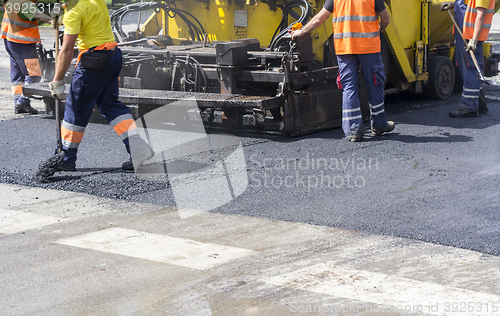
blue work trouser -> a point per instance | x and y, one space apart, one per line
469 101
373 71
24 68
90 87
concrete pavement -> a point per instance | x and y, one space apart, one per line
73 254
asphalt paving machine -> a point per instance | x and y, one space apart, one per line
237 60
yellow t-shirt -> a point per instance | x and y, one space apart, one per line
480 3
90 20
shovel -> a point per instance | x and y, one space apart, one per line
47 168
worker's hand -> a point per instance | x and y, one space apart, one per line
57 88
471 46
57 10
297 34
447 6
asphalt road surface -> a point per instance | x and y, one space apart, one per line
431 185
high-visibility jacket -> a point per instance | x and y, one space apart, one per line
355 27
470 19
16 29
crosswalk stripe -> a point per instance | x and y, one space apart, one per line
178 251
12 222
393 293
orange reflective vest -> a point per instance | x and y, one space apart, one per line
355 27
16 29
470 19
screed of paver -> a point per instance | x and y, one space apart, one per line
12 222
389 293
178 251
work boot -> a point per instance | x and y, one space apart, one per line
138 159
389 127
483 107
463 113
24 108
128 165
355 138
66 168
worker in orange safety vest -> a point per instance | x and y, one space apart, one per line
356 35
20 34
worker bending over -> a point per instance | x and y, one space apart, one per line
20 34
356 34
476 18
95 81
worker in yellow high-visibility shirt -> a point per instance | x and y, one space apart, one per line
94 82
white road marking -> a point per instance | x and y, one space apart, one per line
392 292
12 222
178 251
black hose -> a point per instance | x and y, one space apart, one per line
287 8
196 29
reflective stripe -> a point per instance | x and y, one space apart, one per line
485 26
474 10
123 123
373 107
69 144
469 96
19 23
378 112
356 35
19 37
71 139
33 67
120 119
351 118
351 110
17 89
129 133
72 127
342 19
472 90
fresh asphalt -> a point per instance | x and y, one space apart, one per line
433 179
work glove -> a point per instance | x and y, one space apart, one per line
57 10
447 6
57 88
471 46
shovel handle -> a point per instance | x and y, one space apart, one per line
474 60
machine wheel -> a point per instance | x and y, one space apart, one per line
441 78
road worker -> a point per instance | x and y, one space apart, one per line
476 18
356 34
95 81
20 34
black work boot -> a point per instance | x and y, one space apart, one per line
483 107
24 108
463 113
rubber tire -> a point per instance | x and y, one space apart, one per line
441 78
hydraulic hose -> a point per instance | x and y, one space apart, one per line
306 13
194 25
